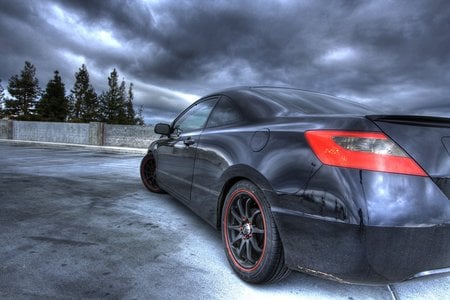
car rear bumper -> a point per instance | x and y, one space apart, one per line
362 254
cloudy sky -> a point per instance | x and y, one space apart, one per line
386 53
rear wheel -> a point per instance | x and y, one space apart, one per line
148 174
251 239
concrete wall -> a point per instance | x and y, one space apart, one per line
51 132
94 133
128 136
6 129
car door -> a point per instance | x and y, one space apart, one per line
177 155
214 154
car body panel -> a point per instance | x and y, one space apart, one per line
361 254
176 162
422 138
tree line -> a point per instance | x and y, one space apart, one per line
28 102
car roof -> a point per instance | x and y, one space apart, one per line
269 101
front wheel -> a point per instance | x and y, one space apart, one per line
148 174
251 239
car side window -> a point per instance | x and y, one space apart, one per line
195 118
224 114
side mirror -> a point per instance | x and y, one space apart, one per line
163 129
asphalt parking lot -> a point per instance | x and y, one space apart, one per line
77 223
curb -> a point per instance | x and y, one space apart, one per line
109 149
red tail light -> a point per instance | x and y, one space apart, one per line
372 151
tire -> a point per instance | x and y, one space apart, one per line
148 176
250 236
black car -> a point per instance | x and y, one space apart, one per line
299 180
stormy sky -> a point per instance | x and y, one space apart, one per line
385 53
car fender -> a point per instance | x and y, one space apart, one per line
153 146
236 173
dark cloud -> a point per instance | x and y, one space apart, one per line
384 52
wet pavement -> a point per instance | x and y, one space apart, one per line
77 223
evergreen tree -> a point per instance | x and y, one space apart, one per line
139 119
122 104
71 107
113 106
2 98
84 101
54 104
130 114
25 92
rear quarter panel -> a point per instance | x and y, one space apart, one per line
285 166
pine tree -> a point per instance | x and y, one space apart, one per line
130 114
84 101
139 119
2 98
54 104
113 106
25 92
2 91
122 104
71 107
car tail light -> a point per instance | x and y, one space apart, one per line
372 151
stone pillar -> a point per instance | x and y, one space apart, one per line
96 133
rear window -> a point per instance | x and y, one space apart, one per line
294 102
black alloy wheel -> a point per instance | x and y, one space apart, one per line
251 239
246 229
148 174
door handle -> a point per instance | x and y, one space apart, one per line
189 142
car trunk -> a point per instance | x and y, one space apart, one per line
426 140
